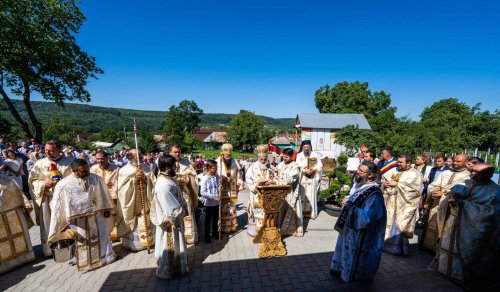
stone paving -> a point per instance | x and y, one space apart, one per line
231 265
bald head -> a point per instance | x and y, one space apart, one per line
459 161
482 172
132 156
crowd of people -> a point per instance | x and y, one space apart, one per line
95 198
456 204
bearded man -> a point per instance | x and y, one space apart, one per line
109 174
401 187
43 178
260 173
311 171
136 202
439 187
187 180
468 222
228 169
81 206
288 174
361 226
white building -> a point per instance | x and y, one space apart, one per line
320 129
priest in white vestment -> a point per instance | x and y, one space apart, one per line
402 186
170 249
109 174
311 171
80 208
186 177
439 187
135 204
15 242
260 173
291 213
228 169
42 181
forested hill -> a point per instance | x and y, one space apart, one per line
95 118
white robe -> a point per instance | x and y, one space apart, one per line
80 205
171 249
309 186
132 220
253 179
42 195
291 213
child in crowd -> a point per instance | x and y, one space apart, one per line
211 195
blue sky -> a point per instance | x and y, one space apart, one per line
270 56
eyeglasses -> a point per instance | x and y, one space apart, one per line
362 171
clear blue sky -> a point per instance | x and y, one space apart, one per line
270 56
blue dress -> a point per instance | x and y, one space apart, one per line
360 243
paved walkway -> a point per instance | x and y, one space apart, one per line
231 264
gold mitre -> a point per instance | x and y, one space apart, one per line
262 150
226 149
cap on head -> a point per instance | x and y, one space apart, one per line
226 149
262 150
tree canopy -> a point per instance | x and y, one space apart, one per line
40 54
182 120
245 130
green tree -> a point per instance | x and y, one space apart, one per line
146 141
352 137
181 120
355 97
39 54
60 130
245 130
450 126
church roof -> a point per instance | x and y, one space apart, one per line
331 121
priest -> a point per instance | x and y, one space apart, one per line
135 203
43 177
15 242
171 249
291 212
402 186
228 169
311 171
187 179
80 208
109 173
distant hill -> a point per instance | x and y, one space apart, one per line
95 118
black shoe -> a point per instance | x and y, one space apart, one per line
208 240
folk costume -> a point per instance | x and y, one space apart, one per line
134 210
291 213
15 242
187 180
309 184
42 194
79 204
444 182
230 182
361 226
109 175
171 248
401 202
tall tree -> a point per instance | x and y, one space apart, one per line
245 129
181 120
355 97
39 54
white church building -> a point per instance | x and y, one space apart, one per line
321 129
